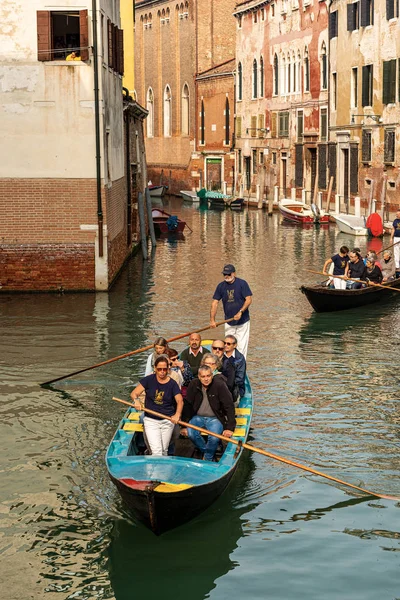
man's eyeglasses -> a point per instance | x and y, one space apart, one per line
161 368
228 343
217 347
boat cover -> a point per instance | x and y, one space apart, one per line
375 225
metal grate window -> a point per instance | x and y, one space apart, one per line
366 146
299 166
389 151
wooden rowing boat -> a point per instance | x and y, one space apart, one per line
324 299
166 223
165 492
158 191
299 212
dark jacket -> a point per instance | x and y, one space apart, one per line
239 364
220 400
228 370
374 275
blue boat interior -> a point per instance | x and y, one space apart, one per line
124 460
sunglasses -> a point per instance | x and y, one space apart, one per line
217 347
228 343
161 368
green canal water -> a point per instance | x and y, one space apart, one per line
326 391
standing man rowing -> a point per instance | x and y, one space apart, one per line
236 298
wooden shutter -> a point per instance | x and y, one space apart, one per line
238 127
366 146
322 154
253 126
353 168
43 19
389 146
273 124
332 163
260 125
115 47
84 34
110 46
389 9
300 126
350 18
389 82
299 166
366 85
365 17
333 25
121 51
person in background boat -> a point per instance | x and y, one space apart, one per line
73 56
395 240
238 362
388 267
215 363
194 353
355 269
236 298
208 404
180 370
163 396
373 272
339 261
160 347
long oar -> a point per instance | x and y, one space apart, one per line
385 287
149 347
384 249
264 453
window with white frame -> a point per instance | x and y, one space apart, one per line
306 71
167 112
185 110
324 68
150 116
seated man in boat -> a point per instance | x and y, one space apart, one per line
208 404
215 363
194 353
374 274
238 361
388 267
355 269
163 396
339 261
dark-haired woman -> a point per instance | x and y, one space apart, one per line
163 396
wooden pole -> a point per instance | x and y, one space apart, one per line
371 196
385 287
263 452
328 198
149 347
315 189
150 217
142 223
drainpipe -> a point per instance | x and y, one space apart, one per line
97 126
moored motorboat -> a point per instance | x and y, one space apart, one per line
157 191
299 212
325 299
236 203
189 196
168 491
359 226
166 223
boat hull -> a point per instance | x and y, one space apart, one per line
351 225
324 299
189 196
157 191
298 213
160 218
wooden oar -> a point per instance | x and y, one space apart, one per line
385 287
264 453
149 347
384 249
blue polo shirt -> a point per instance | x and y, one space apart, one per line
340 263
396 227
160 397
233 296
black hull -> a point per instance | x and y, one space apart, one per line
161 512
323 299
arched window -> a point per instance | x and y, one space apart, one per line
276 75
324 68
150 116
261 77
298 89
255 73
185 110
202 124
288 75
306 71
167 112
283 76
227 115
240 82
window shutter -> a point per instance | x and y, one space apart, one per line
353 168
322 166
389 9
44 35
398 75
332 163
366 146
238 127
84 34
389 151
110 46
253 126
365 8
121 51
115 48
273 124
367 79
333 25
350 17
260 125
299 166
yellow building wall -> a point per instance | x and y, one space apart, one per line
127 8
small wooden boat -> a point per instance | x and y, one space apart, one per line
360 226
189 196
166 223
157 191
299 212
236 204
324 299
168 491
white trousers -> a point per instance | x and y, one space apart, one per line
340 284
158 435
396 253
241 333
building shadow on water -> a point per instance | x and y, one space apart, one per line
187 561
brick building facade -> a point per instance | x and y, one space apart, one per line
183 75
64 216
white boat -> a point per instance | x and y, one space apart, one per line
157 191
189 196
299 212
351 224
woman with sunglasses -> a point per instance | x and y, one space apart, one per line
163 396
160 347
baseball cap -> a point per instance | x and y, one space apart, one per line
228 269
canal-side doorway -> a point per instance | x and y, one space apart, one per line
214 173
